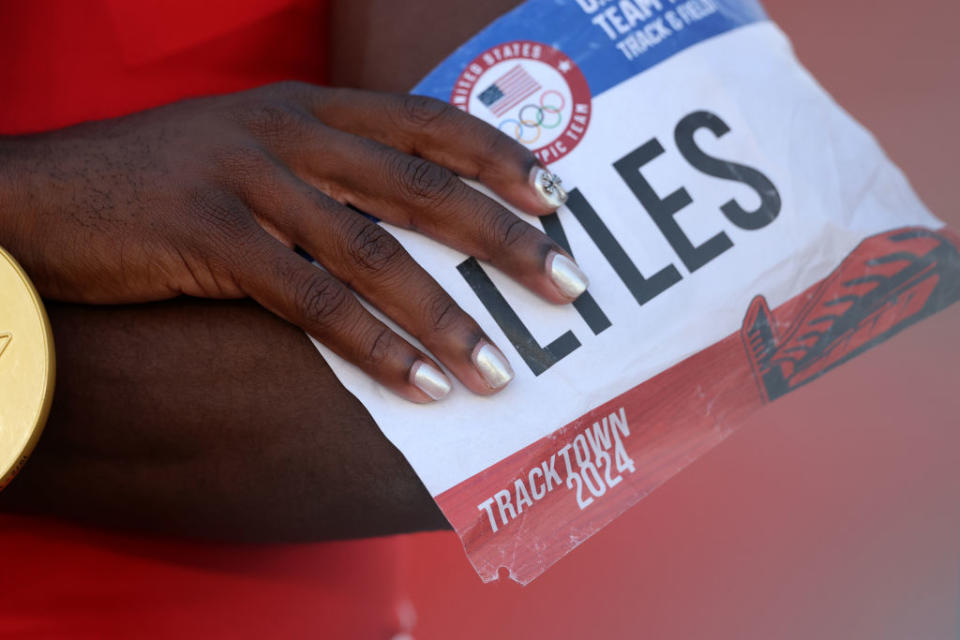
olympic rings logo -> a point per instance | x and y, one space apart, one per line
536 118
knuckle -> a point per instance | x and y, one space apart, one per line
377 346
508 231
423 180
372 248
320 299
442 312
241 164
498 146
220 215
422 111
274 120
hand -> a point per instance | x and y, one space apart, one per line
208 197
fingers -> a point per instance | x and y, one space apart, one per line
397 158
446 136
361 254
299 292
415 193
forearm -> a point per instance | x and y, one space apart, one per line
215 420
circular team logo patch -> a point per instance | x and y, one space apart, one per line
531 92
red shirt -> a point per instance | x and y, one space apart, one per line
63 62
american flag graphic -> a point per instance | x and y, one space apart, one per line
508 90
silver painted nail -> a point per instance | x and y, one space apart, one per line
430 380
492 365
566 275
548 187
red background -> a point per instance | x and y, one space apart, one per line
834 513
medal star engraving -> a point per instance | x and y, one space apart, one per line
5 339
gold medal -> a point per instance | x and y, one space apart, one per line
26 367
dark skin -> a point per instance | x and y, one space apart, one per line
219 419
207 197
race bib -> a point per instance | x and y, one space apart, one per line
742 233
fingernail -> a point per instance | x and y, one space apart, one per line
566 275
548 187
430 380
492 365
